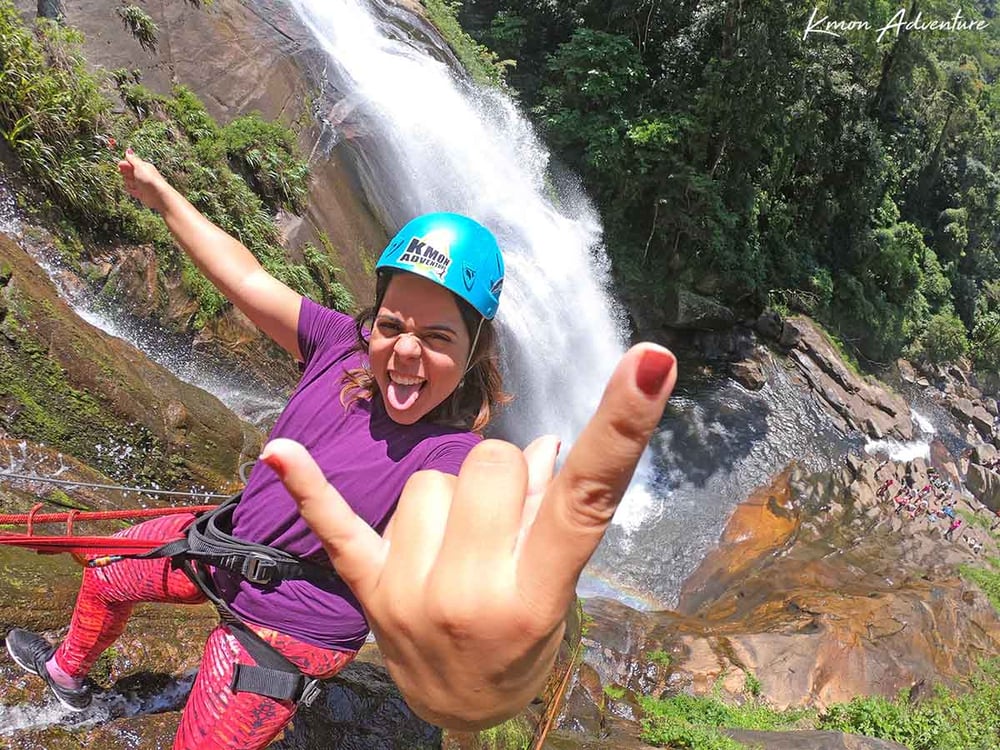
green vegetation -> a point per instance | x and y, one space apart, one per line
139 23
61 124
972 518
751 685
686 721
614 692
987 578
659 656
855 179
965 719
513 734
945 721
103 668
483 65
46 408
60 498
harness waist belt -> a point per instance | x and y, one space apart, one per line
210 541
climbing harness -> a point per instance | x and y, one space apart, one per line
208 541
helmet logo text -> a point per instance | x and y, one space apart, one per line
422 255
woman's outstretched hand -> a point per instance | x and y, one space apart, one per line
468 590
143 181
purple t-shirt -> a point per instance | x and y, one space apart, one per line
363 453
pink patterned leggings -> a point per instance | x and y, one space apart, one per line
215 718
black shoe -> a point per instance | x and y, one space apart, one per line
30 651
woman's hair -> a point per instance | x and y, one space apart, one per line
471 405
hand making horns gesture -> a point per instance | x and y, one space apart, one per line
468 590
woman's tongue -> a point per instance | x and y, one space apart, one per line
402 396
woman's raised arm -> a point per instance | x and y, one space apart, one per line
270 304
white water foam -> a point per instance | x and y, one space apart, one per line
898 450
431 142
105 707
923 423
10 215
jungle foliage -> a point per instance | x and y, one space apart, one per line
730 152
66 129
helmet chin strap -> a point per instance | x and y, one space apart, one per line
472 350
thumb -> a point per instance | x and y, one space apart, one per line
355 549
600 465
582 498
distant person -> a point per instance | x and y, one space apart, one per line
952 528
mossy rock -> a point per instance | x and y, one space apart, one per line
70 386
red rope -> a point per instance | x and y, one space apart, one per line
31 517
86 545
83 545
98 515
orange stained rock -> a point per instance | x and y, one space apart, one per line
761 525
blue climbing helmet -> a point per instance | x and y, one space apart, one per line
451 250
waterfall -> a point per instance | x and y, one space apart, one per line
433 142
10 218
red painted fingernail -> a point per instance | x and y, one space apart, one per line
653 370
274 462
129 150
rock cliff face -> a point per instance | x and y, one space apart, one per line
817 591
240 57
96 398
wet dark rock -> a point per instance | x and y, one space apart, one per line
790 335
854 464
685 309
958 375
360 709
749 373
769 325
724 345
854 401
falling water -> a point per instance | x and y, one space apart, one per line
425 139
241 394
433 142
10 218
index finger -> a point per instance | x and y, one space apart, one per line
581 500
354 548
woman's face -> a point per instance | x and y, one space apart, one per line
418 348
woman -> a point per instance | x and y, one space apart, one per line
399 393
